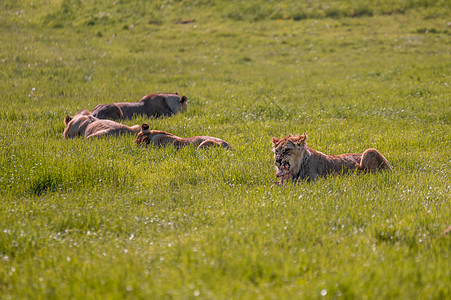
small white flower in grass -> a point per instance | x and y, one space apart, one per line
196 293
323 292
31 94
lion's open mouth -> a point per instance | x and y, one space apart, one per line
284 171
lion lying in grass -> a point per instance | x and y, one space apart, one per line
86 125
163 138
153 105
294 159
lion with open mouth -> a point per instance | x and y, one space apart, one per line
295 160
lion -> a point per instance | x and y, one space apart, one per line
152 105
86 125
295 160
162 138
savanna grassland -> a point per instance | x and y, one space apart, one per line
104 219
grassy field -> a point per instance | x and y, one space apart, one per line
104 219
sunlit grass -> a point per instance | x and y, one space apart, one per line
103 218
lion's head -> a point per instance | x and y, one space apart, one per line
183 103
288 155
174 102
143 137
76 126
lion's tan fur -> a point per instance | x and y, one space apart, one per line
163 138
294 159
152 105
86 125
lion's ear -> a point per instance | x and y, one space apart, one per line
297 140
275 140
301 139
145 126
67 119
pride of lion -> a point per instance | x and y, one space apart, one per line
294 160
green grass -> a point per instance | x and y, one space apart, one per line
104 219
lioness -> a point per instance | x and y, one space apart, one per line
163 138
86 125
153 105
294 159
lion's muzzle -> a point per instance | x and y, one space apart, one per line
283 170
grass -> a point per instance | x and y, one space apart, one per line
105 219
